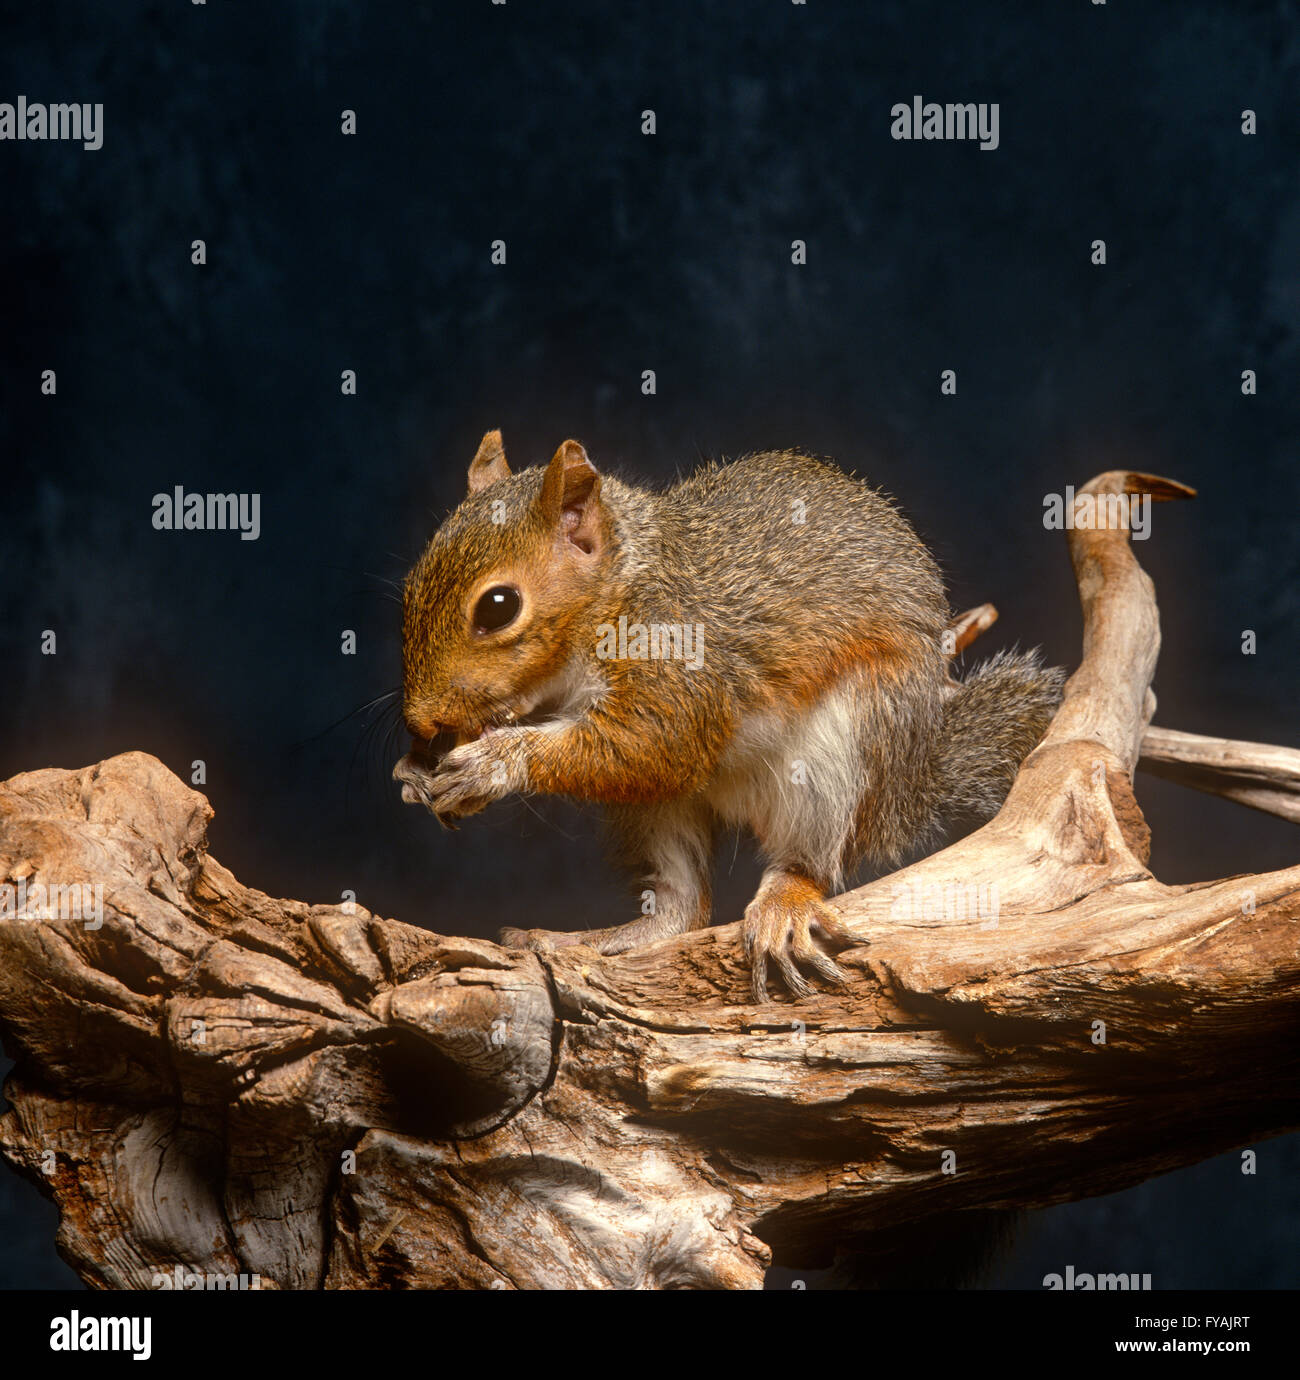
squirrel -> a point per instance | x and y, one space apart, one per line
759 645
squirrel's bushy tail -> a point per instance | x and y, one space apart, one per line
990 725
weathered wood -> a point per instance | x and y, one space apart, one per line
221 1080
966 627
1260 775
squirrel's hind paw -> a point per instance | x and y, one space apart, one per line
783 925
617 939
540 941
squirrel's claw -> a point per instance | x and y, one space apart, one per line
786 925
414 777
465 781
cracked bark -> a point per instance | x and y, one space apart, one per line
321 1096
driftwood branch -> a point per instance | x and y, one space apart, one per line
218 1080
1256 774
1260 775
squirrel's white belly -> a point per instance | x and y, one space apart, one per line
796 780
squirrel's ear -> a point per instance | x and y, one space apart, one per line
570 496
489 464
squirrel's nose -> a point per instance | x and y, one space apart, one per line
421 727
428 748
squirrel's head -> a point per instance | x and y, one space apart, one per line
491 609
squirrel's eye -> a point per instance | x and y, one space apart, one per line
498 607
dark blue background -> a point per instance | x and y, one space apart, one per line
625 252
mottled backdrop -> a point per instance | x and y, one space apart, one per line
627 252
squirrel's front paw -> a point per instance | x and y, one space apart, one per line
783 925
470 778
465 781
